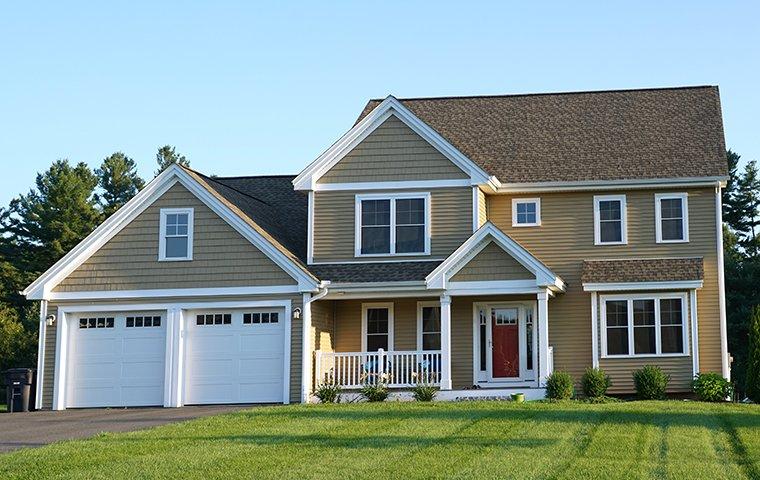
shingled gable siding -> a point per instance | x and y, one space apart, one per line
221 256
334 226
492 263
295 340
566 238
392 152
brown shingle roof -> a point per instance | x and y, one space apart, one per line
642 270
605 135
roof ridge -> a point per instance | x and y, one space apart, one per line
216 180
537 94
258 176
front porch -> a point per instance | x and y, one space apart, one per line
468 346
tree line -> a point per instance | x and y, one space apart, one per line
66 203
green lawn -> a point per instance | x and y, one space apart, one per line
411 440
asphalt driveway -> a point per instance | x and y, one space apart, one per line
34 429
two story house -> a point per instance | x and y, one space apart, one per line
476 243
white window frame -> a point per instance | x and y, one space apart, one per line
684 197
516 201
603 299
420 306
392 198
162 234
623 219
367 306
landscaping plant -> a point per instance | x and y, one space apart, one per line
559 386
752 384
328 392
595 383
651 382
712 387
375 392
424 392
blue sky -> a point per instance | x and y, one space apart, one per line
244 88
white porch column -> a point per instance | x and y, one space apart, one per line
445 342
594 330
543 337
306 349
174 379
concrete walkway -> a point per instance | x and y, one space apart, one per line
34 429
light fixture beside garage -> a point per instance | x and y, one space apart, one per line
296 313
50 320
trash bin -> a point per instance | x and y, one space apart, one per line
18 385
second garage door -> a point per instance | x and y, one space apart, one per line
235 356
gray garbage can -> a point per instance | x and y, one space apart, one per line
18 389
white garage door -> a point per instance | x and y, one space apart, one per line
234 356
116 359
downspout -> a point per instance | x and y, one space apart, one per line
306 353
725 365
41 354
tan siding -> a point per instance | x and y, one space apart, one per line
322 330
621 372
492 263
295 342
348 323
566 238
334 227
482 210
393 152
221 256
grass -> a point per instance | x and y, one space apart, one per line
412 440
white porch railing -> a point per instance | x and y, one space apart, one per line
400 369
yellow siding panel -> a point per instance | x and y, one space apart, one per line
492 263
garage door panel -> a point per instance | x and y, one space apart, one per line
144 345
90 344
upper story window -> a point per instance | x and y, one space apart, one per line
644 325
671 217
392 224
176 237
526 212
610 220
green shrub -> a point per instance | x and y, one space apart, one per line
595 383
424 392
650 382
328 392
712 387
375 392
752 381
559 386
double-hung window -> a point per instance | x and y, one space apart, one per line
377 326
176 236
644 325
392 224
526 212
671 217
428 326
610 220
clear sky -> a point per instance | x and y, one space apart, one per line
244 88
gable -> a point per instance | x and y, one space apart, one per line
393 152
222 257
492 264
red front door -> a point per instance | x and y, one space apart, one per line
506 345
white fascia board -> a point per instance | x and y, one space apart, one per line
499 287
174 292
307 179
399 185
685 182
628 286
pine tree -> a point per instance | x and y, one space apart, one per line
747 208
118 179
166 156
752 383
732 215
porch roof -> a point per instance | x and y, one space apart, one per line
374 272
642 270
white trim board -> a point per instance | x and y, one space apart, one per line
591 185
307 179
628 286
42 287
395 185
174 292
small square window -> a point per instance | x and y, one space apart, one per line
176 239
138 321
526 212
156 321
101 322
227 318
246 318
218 319
82 323
91 322
273 317
130 322
265 317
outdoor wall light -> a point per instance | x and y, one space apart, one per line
50 320
296 313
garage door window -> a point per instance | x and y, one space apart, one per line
260 317
96 322
214 319
149 321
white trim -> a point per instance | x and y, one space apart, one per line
445 302
496 287
439 278
725 364
476 208
307 179
476 372
420 306
658 197
174 292
694 331
536 187
41 354
306 364
392 198
542 322
310 231
594 330
382 260
535 200
656 297
365 307
627 286
623 219
44 284
162 234
396 185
